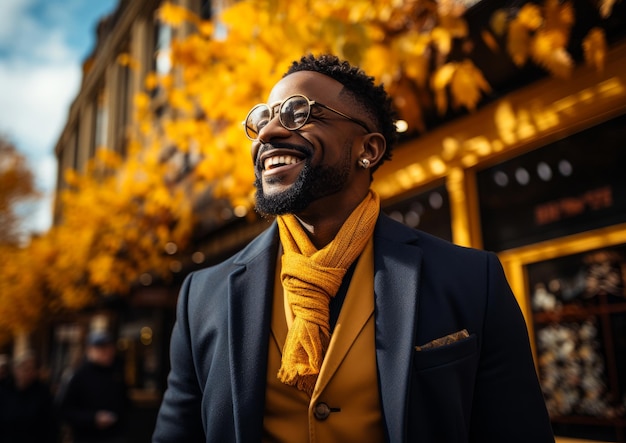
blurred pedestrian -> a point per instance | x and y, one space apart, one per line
5 370
26 411
95 404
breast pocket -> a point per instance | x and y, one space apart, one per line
450 354
442 389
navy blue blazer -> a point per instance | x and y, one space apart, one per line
481 389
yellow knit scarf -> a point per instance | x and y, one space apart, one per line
310 278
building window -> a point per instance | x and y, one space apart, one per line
579 318
428 211
124 105
101 120
163 47
206 9
570 186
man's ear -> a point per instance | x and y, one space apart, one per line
374 147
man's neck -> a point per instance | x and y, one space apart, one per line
323 219
322 232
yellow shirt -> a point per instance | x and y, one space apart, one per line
345 405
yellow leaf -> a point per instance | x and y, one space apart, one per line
548 54
530 16
206 28
606 7
455 26
467 85
499 21
379 62
439 82
490 40
71 177
558 15
100 269
594 46
442 39
125 59
152 81
518 42
108 158
173 15
141 102
443 76
417 69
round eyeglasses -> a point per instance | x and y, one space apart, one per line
293 113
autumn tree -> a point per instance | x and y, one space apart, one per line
422 50
16 188
17 309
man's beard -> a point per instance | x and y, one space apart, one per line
313 183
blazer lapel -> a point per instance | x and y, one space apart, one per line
250 305
397 266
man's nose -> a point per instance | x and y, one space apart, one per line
273 129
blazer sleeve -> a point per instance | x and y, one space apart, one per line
179 417
508 403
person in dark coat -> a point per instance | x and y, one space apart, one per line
95 403
26 411
338 323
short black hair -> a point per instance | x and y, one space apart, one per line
373 98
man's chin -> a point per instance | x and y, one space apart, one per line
312 184
289 201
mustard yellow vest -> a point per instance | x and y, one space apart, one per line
345 405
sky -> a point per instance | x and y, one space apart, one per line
42 46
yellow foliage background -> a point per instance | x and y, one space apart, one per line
121 215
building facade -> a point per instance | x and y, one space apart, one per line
131 42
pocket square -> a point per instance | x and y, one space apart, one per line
442 341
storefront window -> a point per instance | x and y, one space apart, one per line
428 211
579 318
570 186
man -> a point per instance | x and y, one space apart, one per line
5 370
338 324
94 403
26 410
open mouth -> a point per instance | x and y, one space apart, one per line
276 161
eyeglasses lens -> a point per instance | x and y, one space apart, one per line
294 112
257 118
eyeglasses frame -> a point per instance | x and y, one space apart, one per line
310 102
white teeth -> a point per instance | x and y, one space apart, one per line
280 160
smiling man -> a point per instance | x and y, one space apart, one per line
338 324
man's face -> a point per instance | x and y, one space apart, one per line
25 373
103 355
296 168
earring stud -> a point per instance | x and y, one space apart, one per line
365 163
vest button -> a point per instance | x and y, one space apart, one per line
321 411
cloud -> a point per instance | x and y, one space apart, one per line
38 77
42 45
36 213
13 16
36 98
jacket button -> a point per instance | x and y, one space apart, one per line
321 411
